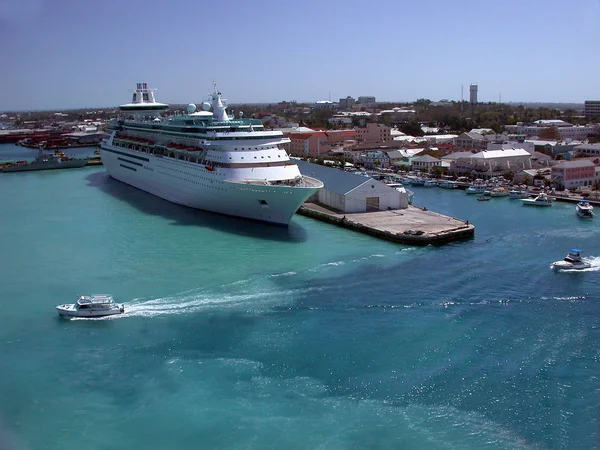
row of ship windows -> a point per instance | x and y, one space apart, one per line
192 181
191 174
262 157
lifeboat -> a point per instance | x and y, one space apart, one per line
211 168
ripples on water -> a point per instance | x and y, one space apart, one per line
317 338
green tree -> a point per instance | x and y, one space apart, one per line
550 133
412 128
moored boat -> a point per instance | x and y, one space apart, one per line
204 159
45 161
447 184
518 194
541 200
499 192
475 189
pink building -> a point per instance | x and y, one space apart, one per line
374 133
317 143
572 174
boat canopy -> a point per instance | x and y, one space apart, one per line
575 250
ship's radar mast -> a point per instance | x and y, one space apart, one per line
218 105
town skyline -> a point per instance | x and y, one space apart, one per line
68 55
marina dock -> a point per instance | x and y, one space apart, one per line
412 226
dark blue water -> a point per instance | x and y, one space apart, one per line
241 335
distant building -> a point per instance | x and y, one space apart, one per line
318 143
591 108
565 129
399 114
473 94
584 150
347 103
374 132
324 104
366 100
471 140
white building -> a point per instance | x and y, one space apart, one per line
425 162
529 146
493 162
565 129
325 104
350 193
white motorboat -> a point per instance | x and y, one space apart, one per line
541 200
584 209
400 188
572 261
499 192
476 189
91 306
518 194
447 184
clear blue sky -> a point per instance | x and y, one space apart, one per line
70 54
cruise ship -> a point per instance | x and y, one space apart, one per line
205 159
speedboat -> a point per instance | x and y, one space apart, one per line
572 261
541 200
91 306
584 209
430 183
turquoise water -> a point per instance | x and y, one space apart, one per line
242 335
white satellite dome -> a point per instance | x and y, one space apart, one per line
191 108
205 106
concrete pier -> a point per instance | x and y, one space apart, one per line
412 226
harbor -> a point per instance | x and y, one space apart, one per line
412 226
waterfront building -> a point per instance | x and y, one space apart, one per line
350 193
376 159
574 174
591 109
425 163
488 163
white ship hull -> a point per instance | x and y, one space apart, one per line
193 185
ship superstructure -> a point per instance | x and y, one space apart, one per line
206 159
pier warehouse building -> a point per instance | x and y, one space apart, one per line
350 193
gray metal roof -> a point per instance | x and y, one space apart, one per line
576 163
335 180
